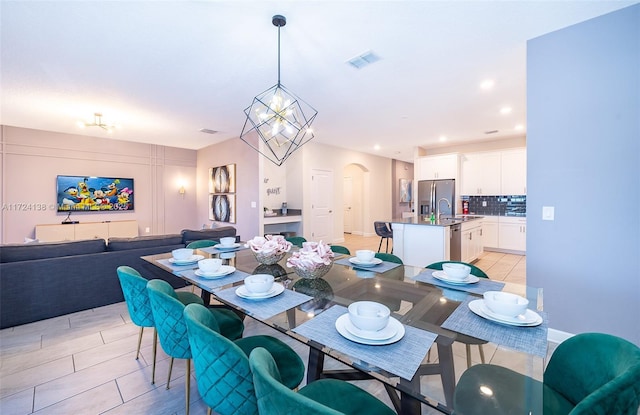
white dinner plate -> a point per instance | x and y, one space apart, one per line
373 263
277 289
383 334
226 247
529 319
188 261
343 320
223 271
442 276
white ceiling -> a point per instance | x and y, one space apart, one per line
164 69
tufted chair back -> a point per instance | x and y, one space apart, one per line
167 312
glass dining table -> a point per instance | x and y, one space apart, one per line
431 315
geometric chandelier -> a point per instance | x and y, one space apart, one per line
278 122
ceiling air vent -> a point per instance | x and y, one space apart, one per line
491 132
364 59
207 131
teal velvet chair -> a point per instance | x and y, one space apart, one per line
388 257
322 397
203 243
172 330
296 240
134 289
340 249
588 374
222 366
466 340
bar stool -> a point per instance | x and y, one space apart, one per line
384 232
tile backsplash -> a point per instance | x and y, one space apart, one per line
511 205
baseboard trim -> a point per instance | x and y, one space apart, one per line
558 336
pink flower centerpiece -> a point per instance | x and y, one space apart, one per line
270 249
312 261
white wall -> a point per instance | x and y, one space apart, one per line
583 153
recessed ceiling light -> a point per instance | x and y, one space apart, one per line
443 138
519 127
376 147
487 84
505 110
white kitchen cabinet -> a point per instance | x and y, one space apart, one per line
480 174
490 226
513 234
472 245
438 167
514 172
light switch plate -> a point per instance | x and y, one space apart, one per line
254 204
548 212
484 203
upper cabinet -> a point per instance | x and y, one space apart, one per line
437 167
514 172
480 174
494 173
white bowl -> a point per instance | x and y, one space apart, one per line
365 255
505 304
182 253
456 271
209 265
258 283
369 315
227 240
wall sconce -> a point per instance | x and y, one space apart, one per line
182 190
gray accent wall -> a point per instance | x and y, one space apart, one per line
583 155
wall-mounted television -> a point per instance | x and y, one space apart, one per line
94 194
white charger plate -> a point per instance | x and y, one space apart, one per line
373 263
224 270
276 289
188 261
529 319
225 247
442 276
343 320
383 334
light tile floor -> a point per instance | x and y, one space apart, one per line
84 363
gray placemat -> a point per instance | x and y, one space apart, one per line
380 268
532 340
209 284
402 358
264 308
480 287
214 250
176 268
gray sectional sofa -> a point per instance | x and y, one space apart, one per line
44 280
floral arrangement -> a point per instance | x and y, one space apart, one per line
270 249
313 260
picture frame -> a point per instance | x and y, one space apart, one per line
405 190
222 179
222 207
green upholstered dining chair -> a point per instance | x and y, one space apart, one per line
321 397
203 243
340 249
388 257
134 289
588 374
172 330
225 382
296 240
466 340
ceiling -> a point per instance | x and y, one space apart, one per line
162 70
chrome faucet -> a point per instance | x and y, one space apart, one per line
438 205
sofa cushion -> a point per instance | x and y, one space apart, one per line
149 241
26 252
213 234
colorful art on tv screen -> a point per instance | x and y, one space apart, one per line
97 194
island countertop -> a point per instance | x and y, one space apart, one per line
425 220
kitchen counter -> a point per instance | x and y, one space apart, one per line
445 221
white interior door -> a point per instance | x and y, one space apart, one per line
348 203
322 205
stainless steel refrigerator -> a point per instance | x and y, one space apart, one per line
431 193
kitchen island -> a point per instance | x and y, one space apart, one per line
418 241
